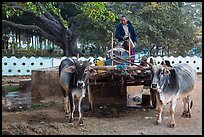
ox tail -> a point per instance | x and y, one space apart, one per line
191 104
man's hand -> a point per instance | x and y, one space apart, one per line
135 43
125 38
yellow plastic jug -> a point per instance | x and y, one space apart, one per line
100 63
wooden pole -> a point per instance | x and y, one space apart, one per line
112 49
129 47
115 67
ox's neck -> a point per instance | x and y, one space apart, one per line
171 82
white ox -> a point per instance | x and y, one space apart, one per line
172 83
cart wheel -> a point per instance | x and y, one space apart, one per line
153 97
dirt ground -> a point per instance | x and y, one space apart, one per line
104 121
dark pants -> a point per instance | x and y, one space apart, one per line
132 55
125 45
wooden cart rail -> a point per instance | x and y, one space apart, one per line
115 67
130 72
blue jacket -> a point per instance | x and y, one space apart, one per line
120 32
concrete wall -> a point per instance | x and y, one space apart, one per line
195 62
23 66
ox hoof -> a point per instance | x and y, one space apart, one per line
81 125
71 121
67 113
67 117
157 123
186 114
183 114
71 124
172 125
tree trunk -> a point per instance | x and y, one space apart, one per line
157 50
70 47
13 41
19 36
32 42
68 50
52 45
168 51
27 39
16 34
45 44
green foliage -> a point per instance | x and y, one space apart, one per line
96 26
37 106
164 24
194 10
12 88
98 12
158 24
9 10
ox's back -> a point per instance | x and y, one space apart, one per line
186 77
64 63
66 79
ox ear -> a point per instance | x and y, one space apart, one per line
70 69
151 61
88 60
92 70
166 71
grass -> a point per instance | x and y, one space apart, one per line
41 105
11 88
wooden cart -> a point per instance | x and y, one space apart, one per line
108 84
109 87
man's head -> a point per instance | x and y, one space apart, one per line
124 20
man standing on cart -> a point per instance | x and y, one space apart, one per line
123 30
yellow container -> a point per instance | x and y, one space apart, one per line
101 63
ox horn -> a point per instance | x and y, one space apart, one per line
151 62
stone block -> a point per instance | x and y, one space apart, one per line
45 83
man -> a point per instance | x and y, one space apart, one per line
122 34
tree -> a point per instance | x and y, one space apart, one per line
162 24
49 23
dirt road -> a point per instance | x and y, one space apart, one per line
115 121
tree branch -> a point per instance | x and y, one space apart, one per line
49 23
50 16
31 28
